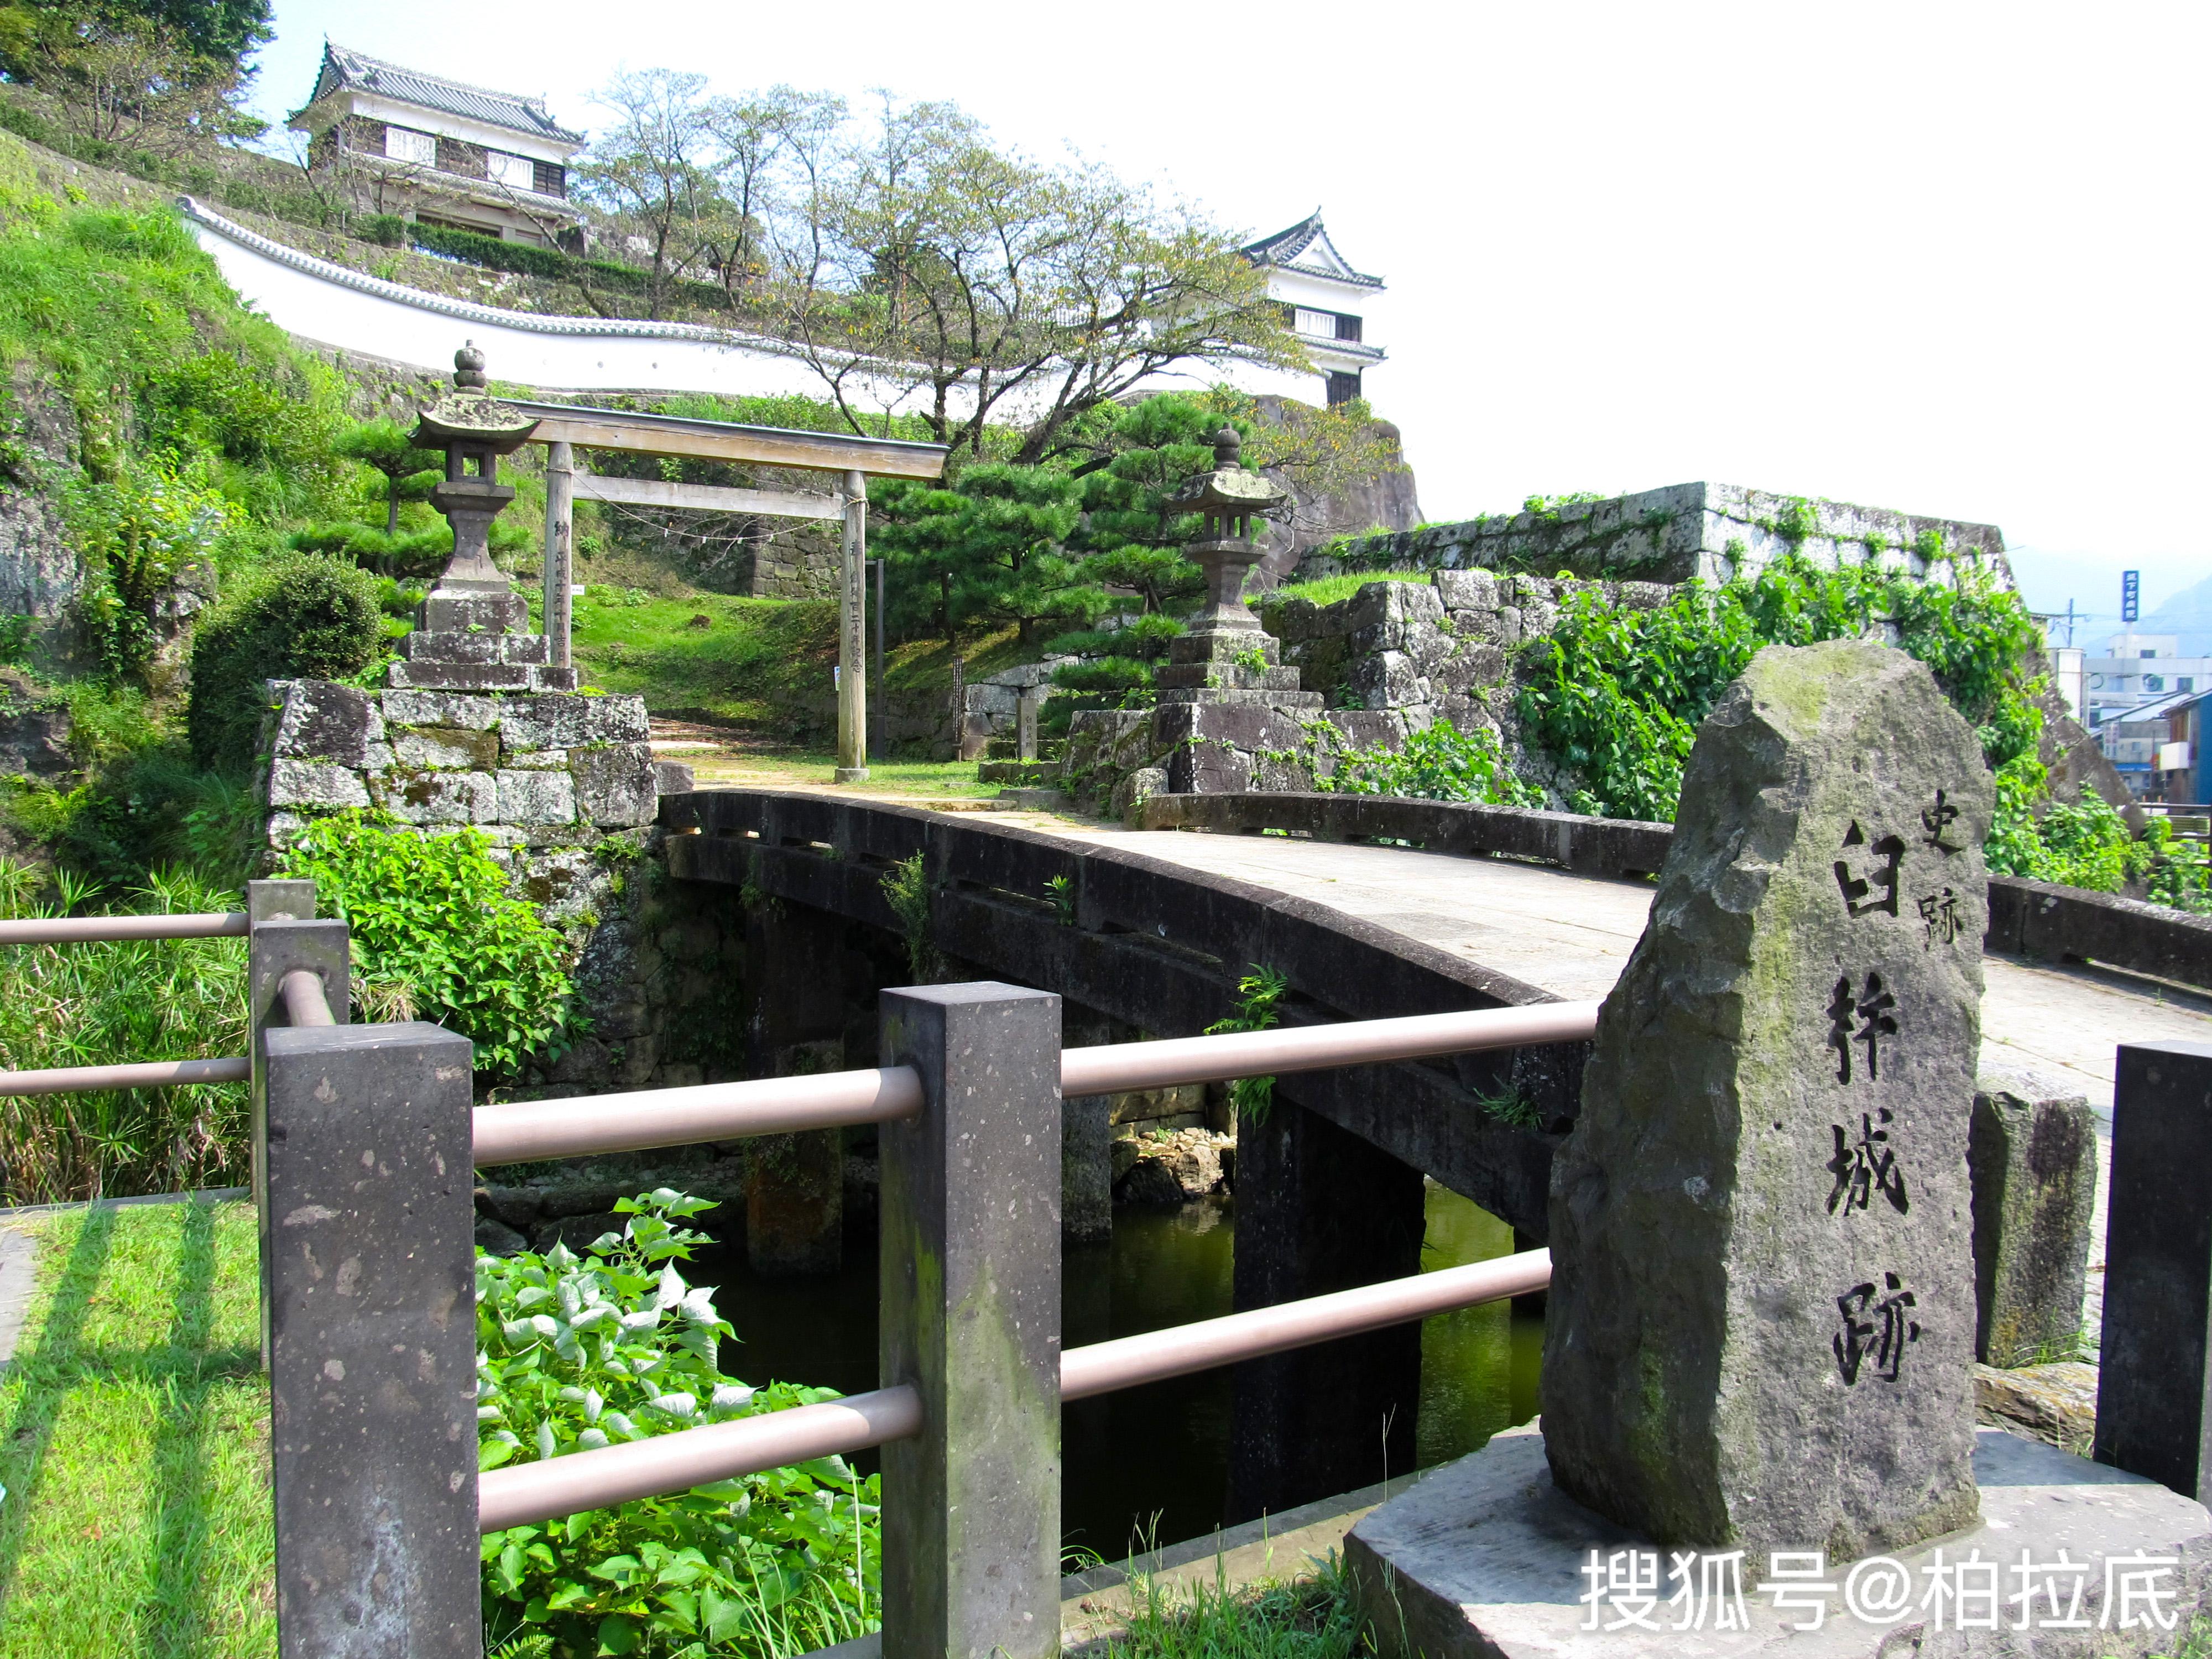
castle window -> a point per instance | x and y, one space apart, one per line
1342 389
1347 328
1320 324
405 144
515 172
550 178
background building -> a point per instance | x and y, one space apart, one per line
439 152
2135 670
1329 306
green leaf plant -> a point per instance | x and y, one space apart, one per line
580 1352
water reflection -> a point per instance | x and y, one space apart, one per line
1151 1462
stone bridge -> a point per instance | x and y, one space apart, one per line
1151 931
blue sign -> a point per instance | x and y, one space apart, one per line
2131 595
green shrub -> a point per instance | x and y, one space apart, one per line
431 917
385 229
1616 693
301 617
613 1345
1440 764
138 1000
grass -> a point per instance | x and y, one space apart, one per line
1327 590
75 1005
137 1520
1307 1617
924 780
753 662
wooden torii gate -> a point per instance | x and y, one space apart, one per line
563 429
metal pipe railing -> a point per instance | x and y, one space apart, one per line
522 1130
1154 1356
147 1074
1113 1067
305 1003
525 1493
93 930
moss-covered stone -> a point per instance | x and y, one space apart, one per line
1762 1311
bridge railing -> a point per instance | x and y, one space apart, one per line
369 1140
270 898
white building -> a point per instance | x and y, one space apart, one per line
2138 669
1331 307
441 152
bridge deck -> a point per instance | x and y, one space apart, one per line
1573 935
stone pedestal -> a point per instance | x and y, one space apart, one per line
1487 1560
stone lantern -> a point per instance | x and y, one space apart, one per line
469 635
1224 655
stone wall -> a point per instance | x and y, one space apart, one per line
1706 532
564 788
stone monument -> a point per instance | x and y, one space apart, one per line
1761 1325
1757 1386
470 634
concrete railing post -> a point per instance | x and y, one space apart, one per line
970 1274
368 1229
2154 1367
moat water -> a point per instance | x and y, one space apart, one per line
1154 1461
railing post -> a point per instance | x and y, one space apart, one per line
970 1275
282 938
2154 1365
368 1230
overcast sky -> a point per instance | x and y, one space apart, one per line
1948 258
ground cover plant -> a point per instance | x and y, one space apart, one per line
134 1442
1441 763
611 1346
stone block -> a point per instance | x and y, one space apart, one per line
1467 589
458 677
614 785
1134 788
2055 1403
2033 1159
538 760
438 797
1761 1319
446 709
426 645
451 748
1484 1558
495 613
536 797
568 720
320 721
672 778
314 783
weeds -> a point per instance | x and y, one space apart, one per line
136 1000
1259 991
1312 1618
906 890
